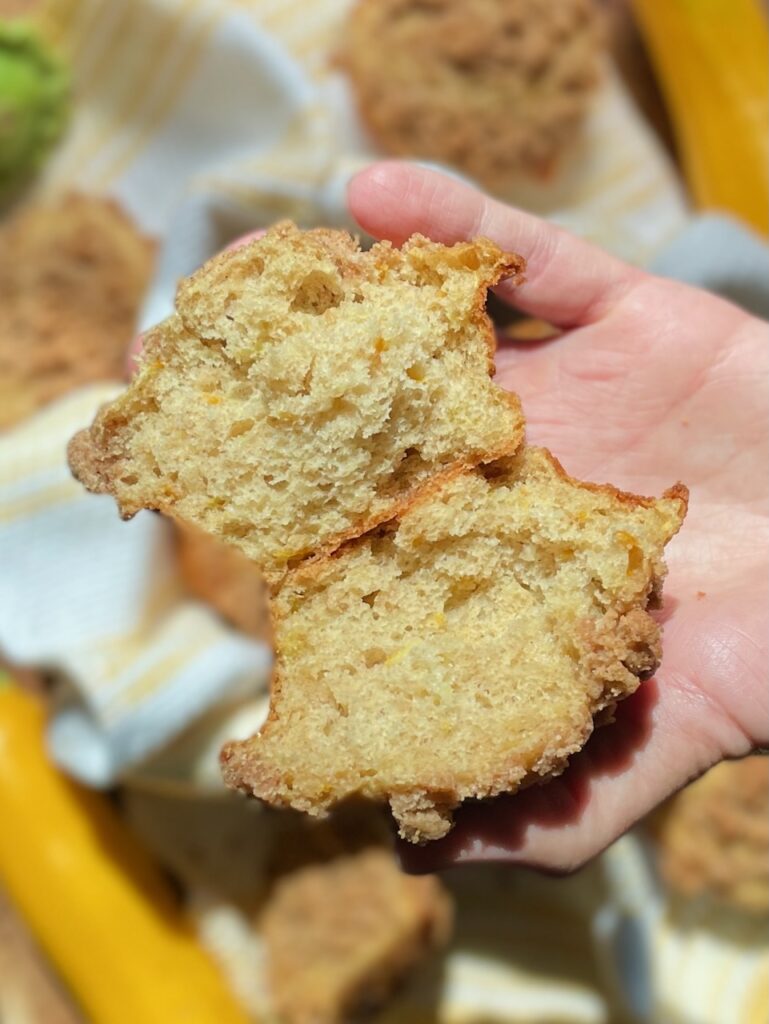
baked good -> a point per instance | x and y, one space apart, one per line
223 577
73 271
495 88
305 391
714 836
340 935
463 650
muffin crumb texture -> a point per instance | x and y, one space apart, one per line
305 391
464 649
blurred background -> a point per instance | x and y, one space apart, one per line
138 137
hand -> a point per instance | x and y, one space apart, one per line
651 382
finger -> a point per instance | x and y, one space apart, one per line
133 355
242 240
569 282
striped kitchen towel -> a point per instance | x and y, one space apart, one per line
98 602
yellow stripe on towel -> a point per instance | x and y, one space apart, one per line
152 122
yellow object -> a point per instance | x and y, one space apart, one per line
758 1009
711 60
95 901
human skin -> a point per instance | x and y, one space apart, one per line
651 382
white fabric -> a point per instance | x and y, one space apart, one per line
723 255
98 600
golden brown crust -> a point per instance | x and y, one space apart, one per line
615 650
341 935
713 836
314 564
86 462
497 89
399 508
72 274
678 492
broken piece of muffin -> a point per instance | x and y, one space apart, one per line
713 836
305 391
462 650
451 610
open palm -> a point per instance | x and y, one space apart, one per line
650 382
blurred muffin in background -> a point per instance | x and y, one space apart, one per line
496 88
73 271
343 926
340 935
223 577
297 841
713 836
311 920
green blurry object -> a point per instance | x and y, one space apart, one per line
34 103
